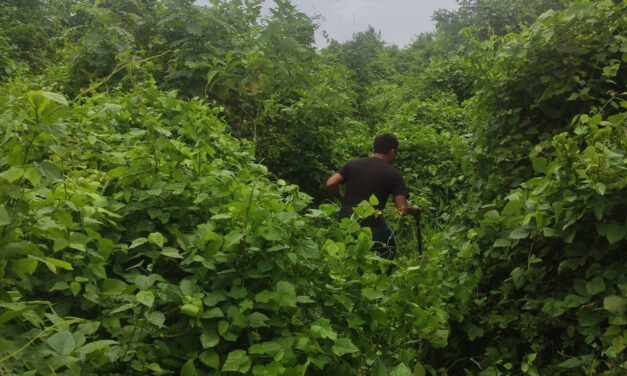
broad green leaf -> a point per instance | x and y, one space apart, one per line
419 370
146 298
215 297
371 294
258 320
24 265
75 288
94 346
144 282
512 207
304 299
539 164
156 318
13 173
190 310
223 327
156 188
53 263
265 296
137 242
156 368
49 170
373 200
553 307
4 216
209 338
233 238
549 232
344 346
533 259
112 286
286 294
122 308
572 301
189 286
618 320
401 370
116 172
171 252
474 331
379 369
492 215
595 286
587 317
237 361
62 342
189 369
157 239
615 304
210 358
502 243
237 293
518 277
363 245
273 369
59 244
213 313
572 363
55 97
78 241
615 232
32 175
548 34
269 348
519 233
321 329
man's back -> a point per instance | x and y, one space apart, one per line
375 175
367 176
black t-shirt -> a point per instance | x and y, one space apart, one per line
367 176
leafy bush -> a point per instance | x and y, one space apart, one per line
138 237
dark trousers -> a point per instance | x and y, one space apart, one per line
384 241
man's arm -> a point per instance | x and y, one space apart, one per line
333 185
404 208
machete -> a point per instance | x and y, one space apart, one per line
419 233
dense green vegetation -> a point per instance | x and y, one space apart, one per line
162 210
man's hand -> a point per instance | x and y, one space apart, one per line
412 210
404 208
333 185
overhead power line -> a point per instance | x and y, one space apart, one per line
339 16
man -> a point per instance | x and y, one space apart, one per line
374 175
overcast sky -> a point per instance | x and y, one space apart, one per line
398 20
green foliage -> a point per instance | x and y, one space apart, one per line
138 236
488 18
263 71
28 36
548 195
160 246
517 180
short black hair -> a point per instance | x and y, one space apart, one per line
385 142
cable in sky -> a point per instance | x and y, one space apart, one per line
354 6
339 15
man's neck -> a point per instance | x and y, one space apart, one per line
384 157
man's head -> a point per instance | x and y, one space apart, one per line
386 144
